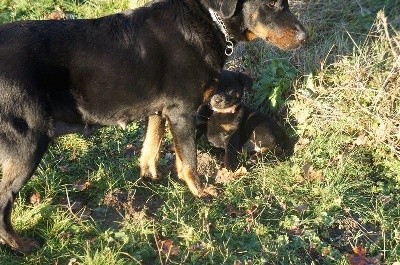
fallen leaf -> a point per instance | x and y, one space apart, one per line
224 175
73 261
167 247
360 250
35 198
82 185
57 15
359 257
252 211
295 231
326 251
310 174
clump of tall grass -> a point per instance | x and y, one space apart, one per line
358 94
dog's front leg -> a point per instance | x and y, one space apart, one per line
183 132
151 147
231 152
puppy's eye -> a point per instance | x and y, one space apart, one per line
272 4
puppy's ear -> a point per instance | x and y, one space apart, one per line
228 8
246 81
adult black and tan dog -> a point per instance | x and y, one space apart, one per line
58 77
229 124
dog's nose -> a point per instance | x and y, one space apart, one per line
217 98
302 35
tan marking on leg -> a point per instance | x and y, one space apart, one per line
151 147
188 174
178 162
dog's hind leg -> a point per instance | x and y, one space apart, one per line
151 147
17 168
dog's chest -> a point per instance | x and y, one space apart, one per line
221 126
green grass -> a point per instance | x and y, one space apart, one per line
339 97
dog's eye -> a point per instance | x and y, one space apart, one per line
272 4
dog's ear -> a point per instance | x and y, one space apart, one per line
228 8
246 81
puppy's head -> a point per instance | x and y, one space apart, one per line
230 91
270 20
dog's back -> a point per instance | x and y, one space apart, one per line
262 133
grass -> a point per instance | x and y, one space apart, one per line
337 195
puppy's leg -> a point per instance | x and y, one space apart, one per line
183 132
151 147
17 169
231 152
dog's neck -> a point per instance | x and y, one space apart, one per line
221 25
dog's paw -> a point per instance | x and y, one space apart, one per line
149 173
150 177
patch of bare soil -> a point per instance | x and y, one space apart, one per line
349 232
207 164
121 204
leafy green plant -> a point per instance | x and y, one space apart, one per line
274 83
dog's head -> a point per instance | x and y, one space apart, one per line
270 20
230 91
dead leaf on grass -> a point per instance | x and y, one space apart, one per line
167 247
252 211
82 185
360 250
57 15
73 261
295 230
224 175
310 174
35 198
359 257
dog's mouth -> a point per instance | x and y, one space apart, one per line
230 109
285 38
289 40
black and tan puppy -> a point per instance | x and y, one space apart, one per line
58 77
229 124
